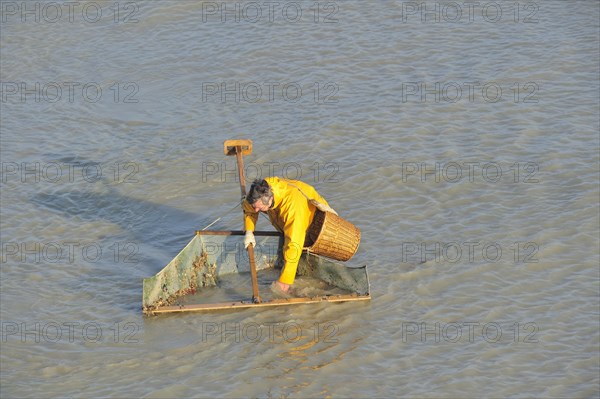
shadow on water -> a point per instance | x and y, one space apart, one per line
157 225
158 232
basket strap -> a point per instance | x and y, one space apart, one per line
313 201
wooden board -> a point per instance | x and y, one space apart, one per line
230 145
249 304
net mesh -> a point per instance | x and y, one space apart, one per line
208 260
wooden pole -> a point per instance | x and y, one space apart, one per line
240 164
236 233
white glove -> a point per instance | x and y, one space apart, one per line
249 239
323 207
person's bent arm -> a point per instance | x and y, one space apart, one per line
250 217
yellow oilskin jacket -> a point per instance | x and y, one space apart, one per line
291 214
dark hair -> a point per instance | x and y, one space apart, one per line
260 189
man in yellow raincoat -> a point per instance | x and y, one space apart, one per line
291 206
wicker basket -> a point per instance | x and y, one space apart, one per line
332 236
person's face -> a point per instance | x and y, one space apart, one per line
260 207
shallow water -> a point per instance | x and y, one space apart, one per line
234 287
466 152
